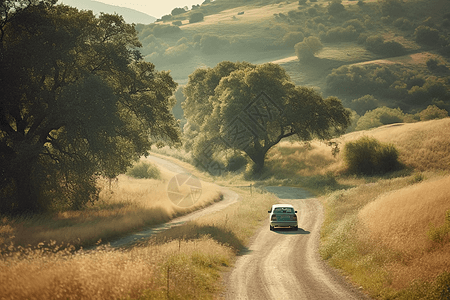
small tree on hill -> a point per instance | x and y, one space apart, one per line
196 17
308 48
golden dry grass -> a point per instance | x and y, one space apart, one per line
129 205
422 146
401 220
182 263
112 274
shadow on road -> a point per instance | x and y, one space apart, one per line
291 231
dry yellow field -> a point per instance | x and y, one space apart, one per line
125 205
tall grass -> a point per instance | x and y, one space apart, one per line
184 262
379 234
125 205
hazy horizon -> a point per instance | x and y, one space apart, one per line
157 10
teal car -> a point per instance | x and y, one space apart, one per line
283 216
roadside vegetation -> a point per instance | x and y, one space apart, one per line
181 263
125 205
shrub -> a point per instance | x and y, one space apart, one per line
403 24
433 112
211 44
292 38
177 23
196 17
368 156
340 34
376 44
160 30
363 104
236 162
178 11
380 116
335 7
144 170
392 8
426 35
306 49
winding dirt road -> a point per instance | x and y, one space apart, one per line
285 264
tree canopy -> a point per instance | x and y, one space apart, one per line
76 100
250 108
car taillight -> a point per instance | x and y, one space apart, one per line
294 217
274 218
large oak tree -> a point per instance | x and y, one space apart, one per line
251 108
76 100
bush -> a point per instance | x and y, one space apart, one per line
403 24
368 156
144 170
380 116
162 30
211 44
376 44
292 38
196 17
340 34
236 162
427 35
363 104
305 50
335 7
432 112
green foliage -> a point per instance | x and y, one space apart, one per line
144 169
376 44
380 116
196 17
177 11
336 7
403 23
363 104
368 156
78 101
308 48
340 34
393 8
404 87
214 97
427 35
433 112
211 44
236 162
290 39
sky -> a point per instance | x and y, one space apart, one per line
155 8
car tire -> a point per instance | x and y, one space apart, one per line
271 228
295 228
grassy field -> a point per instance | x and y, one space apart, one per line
125 205
184 262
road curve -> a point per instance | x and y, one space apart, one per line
285 264
229 197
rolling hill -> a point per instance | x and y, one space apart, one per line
130 15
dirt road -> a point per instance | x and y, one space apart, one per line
285 264
229 197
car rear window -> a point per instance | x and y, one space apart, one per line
286 210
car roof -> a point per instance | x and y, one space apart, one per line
282 205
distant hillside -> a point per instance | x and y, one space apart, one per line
376 54
130 15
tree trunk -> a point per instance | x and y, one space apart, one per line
27 196
258 157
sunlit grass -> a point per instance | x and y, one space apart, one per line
182 263
125 205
